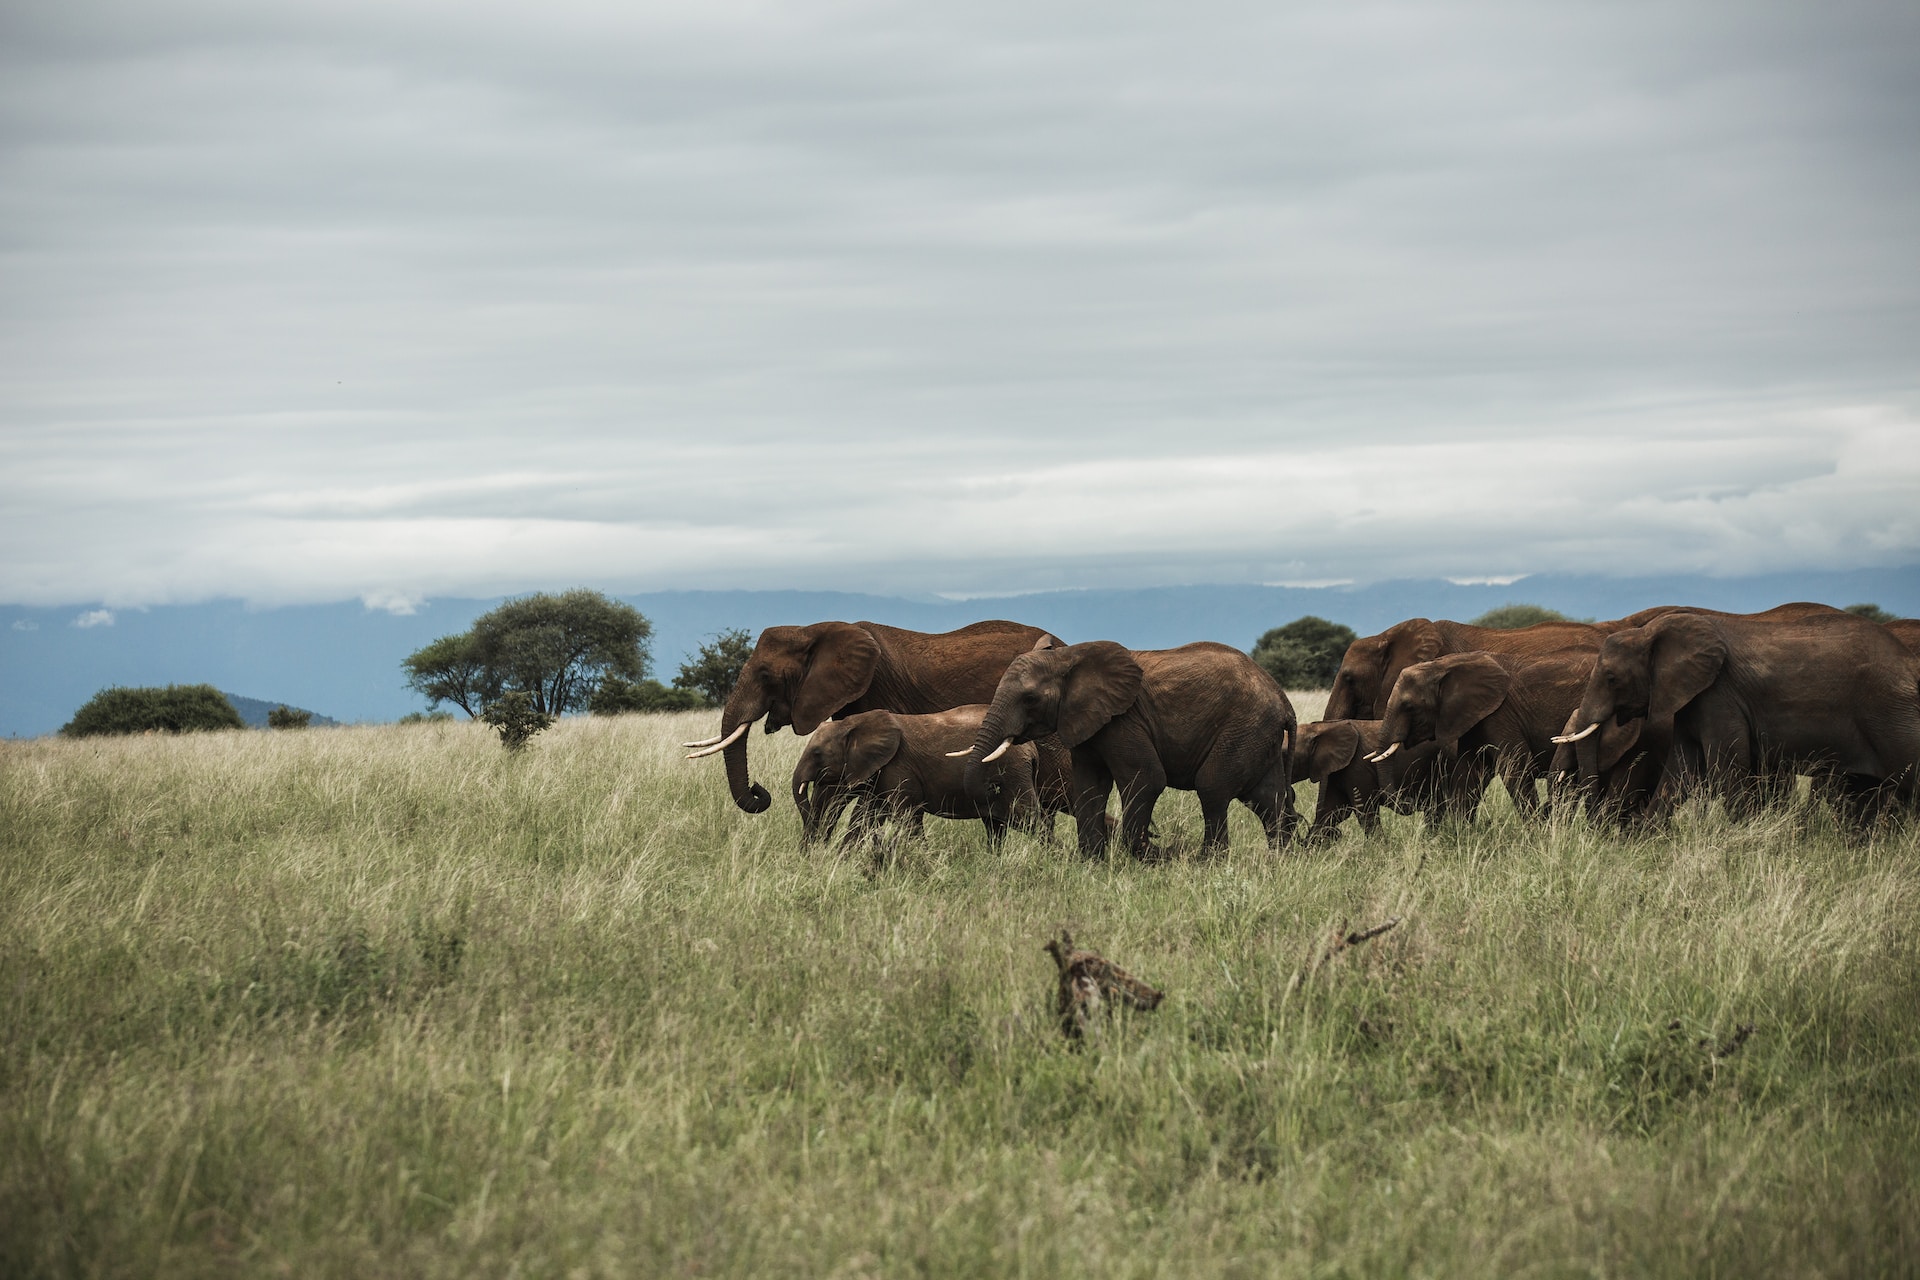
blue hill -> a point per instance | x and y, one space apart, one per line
347 659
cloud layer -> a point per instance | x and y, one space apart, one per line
304 302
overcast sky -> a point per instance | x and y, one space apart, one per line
309 301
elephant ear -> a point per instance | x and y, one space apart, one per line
1048 641
1415 640
1103 681
1472 689
1687 656
870 745
1331 748
839 669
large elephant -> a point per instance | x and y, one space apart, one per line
899 766
1202 718
1735 703
1627 771
1372 663
1502 712
801 676
1334 755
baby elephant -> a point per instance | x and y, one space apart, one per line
1333 753
897 766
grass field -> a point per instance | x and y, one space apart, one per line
389 1001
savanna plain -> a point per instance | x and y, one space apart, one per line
393 1001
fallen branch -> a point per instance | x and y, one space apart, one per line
1364 935
1091 984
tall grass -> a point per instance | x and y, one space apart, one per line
393 1001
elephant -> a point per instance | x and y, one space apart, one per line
1333 754
1907 632
1623 769
1502 712
1203 717
897 766
802 676
1372 663
1736 703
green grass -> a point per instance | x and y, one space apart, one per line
391 1001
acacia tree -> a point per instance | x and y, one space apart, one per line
556 649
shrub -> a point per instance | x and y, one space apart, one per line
616 696
517 719
1304 654
1511 617
425 717
1872 612
285 717
178 708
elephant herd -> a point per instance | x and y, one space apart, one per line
1006 724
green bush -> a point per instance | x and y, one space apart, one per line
1304 654
1511 617
1872 612
178 708
517 719
285 717
616 696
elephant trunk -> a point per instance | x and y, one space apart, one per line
742 709
993 733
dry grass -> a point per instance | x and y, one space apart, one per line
391 1001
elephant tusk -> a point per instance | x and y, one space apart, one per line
955 755
1575 737
997 752
721 745
704 742
1378 756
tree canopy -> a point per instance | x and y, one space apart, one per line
178 708
555 649
1305 653
451 670
715 669
1511 617
1872 612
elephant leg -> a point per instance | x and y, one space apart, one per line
1517 772
1139 793
1092 784
1468 785
862 827
1271 800
1213 817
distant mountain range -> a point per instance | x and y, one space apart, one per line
254 711
346 658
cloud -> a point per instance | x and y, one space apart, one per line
401 604
94 618
307 301
25 624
